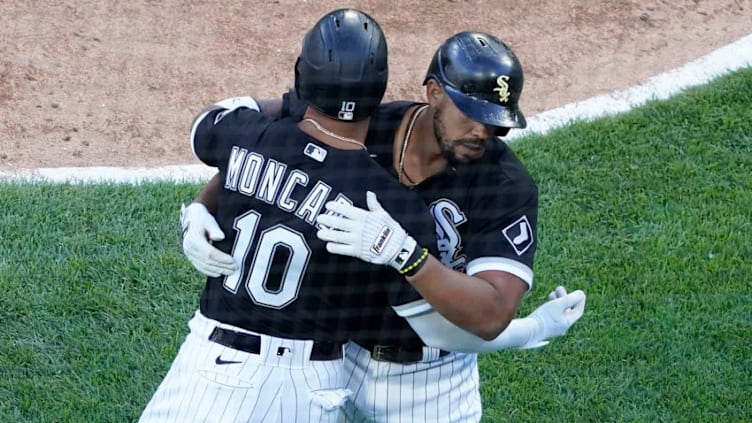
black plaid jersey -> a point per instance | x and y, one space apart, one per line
277 179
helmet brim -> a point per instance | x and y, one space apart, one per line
486 112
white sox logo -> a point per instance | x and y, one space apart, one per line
519 234
448 217
503 89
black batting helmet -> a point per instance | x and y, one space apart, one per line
482 76
342 69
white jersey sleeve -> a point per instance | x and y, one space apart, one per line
436 331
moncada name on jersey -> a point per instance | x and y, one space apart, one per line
270 181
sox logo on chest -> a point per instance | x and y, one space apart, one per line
448 217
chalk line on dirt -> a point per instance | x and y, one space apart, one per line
720 62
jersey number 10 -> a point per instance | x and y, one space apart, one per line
270 242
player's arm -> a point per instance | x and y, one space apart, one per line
273 109
209 194
200 228
550 320
483 304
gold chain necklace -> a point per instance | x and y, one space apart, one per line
333 135
408 133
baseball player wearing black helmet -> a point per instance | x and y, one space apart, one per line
266 343
485 207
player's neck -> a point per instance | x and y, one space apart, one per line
338 134
422 155
423 148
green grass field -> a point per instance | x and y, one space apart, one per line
649 212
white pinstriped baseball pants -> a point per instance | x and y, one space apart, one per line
445 390
209 382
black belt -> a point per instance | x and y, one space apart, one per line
321 351
397 354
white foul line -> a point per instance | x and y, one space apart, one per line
727 59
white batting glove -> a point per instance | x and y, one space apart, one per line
371 235
557 293
556 316
199 229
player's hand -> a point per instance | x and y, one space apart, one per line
557 293
199 229
556 315
371 235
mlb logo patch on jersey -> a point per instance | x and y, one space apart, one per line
519 234
315 152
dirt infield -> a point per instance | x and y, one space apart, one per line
112 83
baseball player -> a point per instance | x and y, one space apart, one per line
266 343
484 203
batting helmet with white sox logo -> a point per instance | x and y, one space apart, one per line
482 76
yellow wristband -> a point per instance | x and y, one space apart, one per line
413 268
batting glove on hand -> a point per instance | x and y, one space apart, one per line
199 229
371 235
557 293
556 316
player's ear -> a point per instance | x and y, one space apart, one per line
434 92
